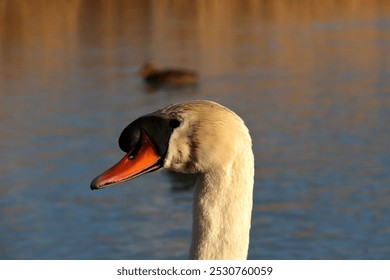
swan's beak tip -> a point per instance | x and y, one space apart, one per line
95 184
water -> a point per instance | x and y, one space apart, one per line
311 80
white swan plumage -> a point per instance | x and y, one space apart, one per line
208 139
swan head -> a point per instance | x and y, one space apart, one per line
191 137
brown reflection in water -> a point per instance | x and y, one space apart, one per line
59 27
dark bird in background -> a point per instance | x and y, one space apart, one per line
154 76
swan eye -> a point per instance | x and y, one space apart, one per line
137 147
174 123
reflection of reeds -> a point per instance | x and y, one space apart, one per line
60 27
23 19
58 23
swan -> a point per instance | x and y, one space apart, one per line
154 76
208 139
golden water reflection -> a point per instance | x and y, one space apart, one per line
61 27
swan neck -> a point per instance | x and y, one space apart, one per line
222 214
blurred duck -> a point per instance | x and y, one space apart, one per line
154 76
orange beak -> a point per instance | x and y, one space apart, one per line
132 165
